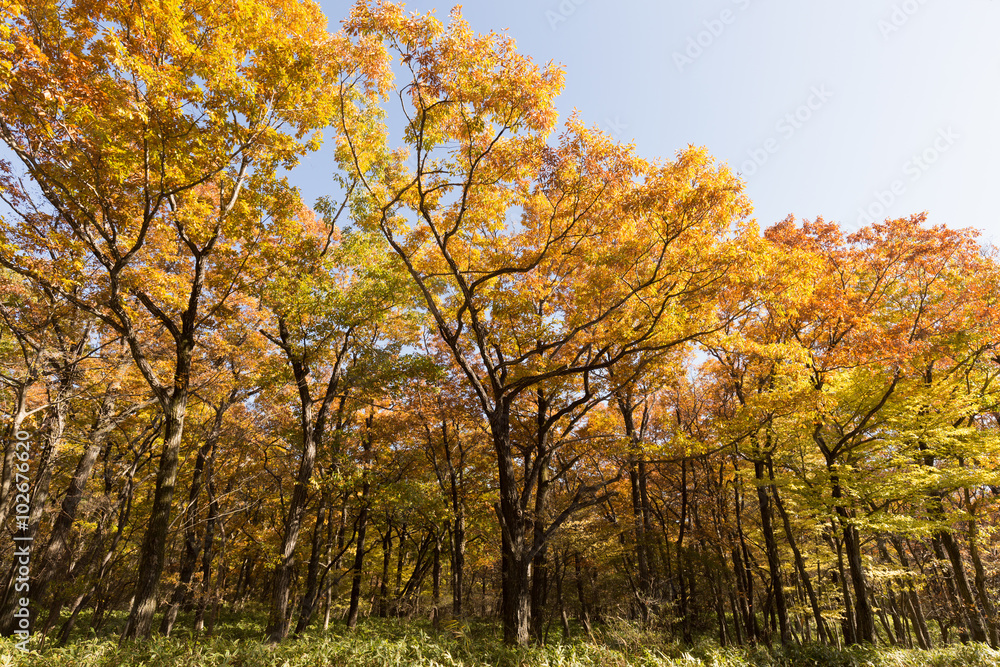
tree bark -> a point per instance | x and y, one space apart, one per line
864 621
208 553
383 587
515 564
53 560
458 563
771 547
539 566
312 435
359 552
311 594
800 565
140 621
744 575
189 559
989 612
973 617
436 580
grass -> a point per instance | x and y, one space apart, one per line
382 643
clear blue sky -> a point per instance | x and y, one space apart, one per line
847 110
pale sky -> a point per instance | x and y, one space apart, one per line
845 110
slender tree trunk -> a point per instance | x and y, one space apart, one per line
277 624
458 563
771 548
744 574
436 580
309 597
736 611
11 441
383 588
980 582
641 519
561 566
864 630
312 435
647 523
973 617
908 598
720 609
54 426
400 559
67 627
849 625
540 572
53 560
151 558
639 532
359 553
359 561
582 595
189 559
208 553
898 618
800 565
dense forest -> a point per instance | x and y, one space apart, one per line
506 369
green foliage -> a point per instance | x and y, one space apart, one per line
378 643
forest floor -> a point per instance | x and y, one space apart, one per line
375 643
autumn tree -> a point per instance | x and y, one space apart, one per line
889 303
155 139
535 262
333 305
453 438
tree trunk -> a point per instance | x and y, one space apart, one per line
208 553
980 582
140 621
400 559
849 626
515 587
53 563
309 597
771 548
581 595
539 566
973 617
561 566
11 442
458 564
277 624
639 532
189 559
910 600
744 575
864 621
359 552
54 427
312 435
383 587
800 565
359 561
436 580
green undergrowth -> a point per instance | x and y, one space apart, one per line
378 643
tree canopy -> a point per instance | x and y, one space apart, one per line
506 368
